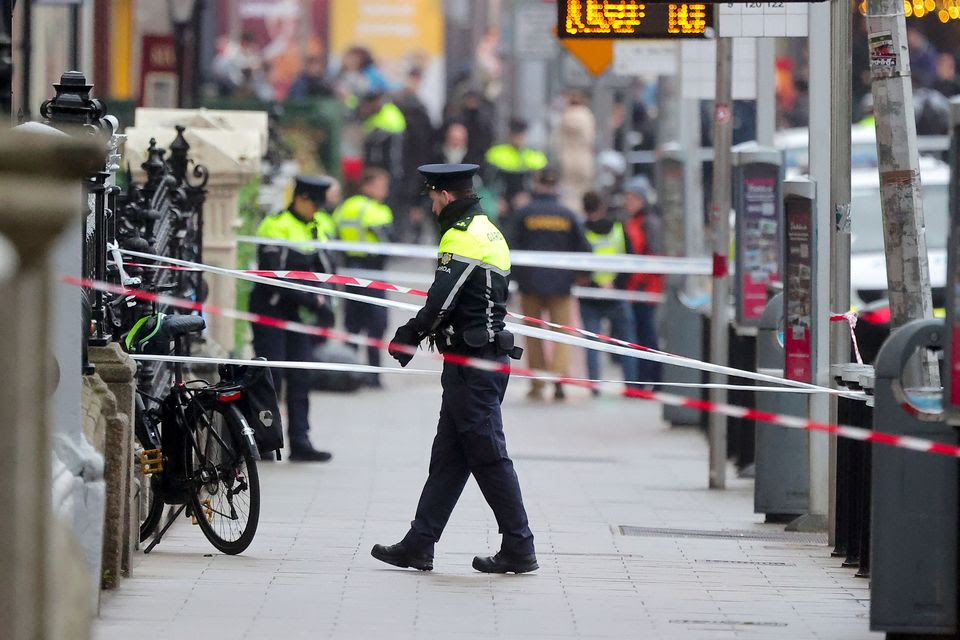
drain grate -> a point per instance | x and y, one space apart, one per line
560 458
749 562
729 623
728 534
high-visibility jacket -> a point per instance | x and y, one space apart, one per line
389 118
288 226
363 219
511 166
507 157
614 242
466 304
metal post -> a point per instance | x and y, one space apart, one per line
819 407
720 221
766 91
908 272
840 97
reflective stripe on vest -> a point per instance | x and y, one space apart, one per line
610 243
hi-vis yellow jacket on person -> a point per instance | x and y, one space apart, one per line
362 219
507 157
614 242
389 119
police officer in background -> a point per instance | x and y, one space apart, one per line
464 315
301 222
366 218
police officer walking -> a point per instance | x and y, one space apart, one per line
301 222
464 315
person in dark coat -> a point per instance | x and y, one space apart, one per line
546 225
417 149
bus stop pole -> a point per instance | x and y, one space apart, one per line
720 221
908 272
841 89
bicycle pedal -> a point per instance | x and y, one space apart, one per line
207 512
151 461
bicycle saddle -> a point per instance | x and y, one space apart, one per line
153 334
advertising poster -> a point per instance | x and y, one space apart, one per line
758 240
798 290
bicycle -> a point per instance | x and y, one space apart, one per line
200 451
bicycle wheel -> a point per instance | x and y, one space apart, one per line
224 483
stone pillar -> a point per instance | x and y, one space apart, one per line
232 157
40 190
121 531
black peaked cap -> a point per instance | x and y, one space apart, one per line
448 177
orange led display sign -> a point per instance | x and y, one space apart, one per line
631 19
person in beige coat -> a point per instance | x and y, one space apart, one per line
576 143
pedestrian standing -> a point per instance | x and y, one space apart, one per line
576 149
365 217
606 237
546 225
418 149
464 315
298 223
644 231
510 165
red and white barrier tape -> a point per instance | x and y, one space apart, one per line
610 345
850 317
568 260
364 368
792 422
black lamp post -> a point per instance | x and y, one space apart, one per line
183 16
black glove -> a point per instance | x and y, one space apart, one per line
405 336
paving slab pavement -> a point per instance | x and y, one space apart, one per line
587 467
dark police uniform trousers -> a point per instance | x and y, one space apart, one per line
470 440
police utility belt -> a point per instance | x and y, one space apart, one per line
476 342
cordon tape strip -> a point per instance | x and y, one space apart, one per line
365 368
792 422
569 260
610 345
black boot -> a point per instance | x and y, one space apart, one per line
505 562
399 556
309 455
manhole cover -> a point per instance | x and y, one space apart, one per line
738 623
728 534
749 562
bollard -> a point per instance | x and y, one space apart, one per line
914 501
781 489
853 486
